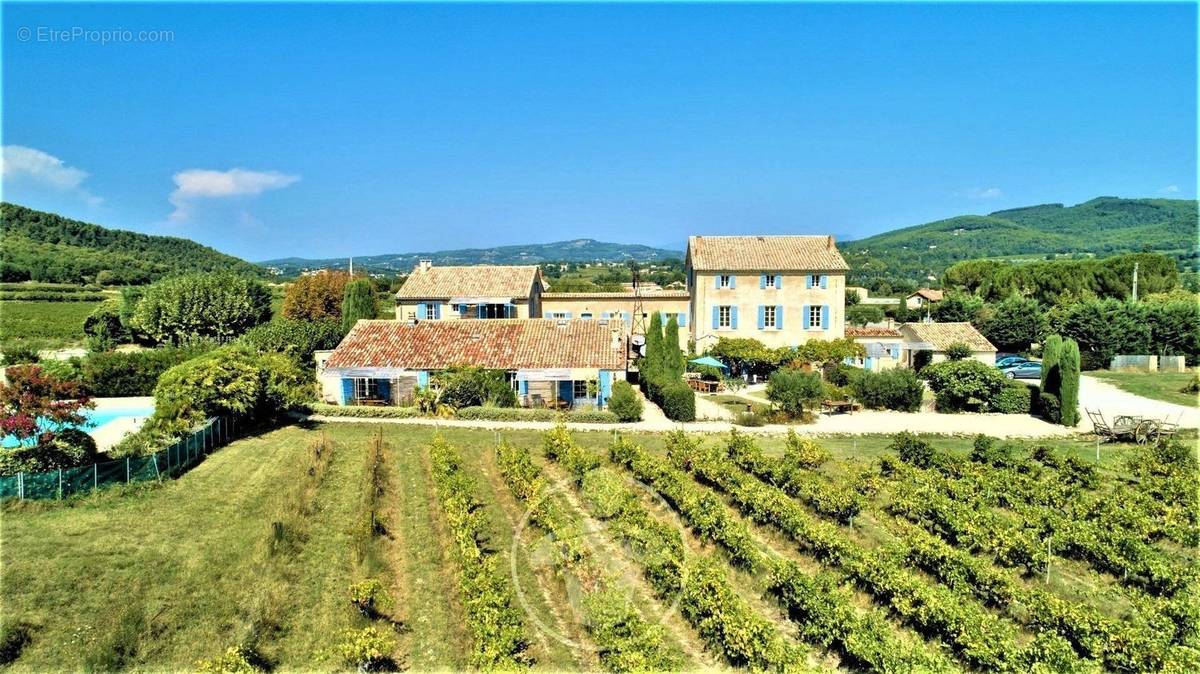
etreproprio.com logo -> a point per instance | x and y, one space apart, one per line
85 35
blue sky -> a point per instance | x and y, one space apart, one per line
327 130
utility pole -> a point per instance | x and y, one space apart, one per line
1135 271
352 272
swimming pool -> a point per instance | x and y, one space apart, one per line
96 419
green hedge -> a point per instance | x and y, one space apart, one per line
527 414
365 412
1013 398
46 296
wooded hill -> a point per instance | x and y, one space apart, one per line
1104 226
45 247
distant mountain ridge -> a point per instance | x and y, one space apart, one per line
43 246
574 250
1103 226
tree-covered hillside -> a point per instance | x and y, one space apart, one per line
46 247
1102 227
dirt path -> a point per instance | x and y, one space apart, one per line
1098 394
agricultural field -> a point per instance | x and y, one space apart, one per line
1166 386
42 324
342 545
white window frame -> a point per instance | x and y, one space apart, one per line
725 317
586 316
769 319
814 317
814 280
724 280
578 385
770 281
365 388
430 311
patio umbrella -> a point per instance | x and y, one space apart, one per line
711 362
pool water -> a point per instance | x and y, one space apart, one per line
95 420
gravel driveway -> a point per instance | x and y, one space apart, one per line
1111 401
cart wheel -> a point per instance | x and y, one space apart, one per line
1145 432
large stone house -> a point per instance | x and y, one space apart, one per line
780 290
434 293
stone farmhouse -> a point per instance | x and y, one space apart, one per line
566 349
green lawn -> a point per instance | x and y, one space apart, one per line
160 576
1165 386
735 404
43 325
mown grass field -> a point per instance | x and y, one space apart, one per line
43 325
1165 386
160 577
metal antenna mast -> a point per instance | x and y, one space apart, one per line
638 326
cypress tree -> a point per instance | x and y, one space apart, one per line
673 355
1051 353
1068 371
358 303
651 363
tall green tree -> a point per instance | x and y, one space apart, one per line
1068 396
673 356
1015 324
651 364
957 308
1051 353
358 303
218 305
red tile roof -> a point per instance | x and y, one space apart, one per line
929 294
871 331
941 335
764 253
483 280
648 295
509 344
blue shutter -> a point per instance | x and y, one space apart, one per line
804 322
732 281
566 314
437 311
733 317
779 281
523 387
824 282
625 317
347 391
808 281
762 281
462 311
422 379
825 317
605 387
604 315
565 390
421 311
385 389
778 316
717 281
716 317
683 320
762 317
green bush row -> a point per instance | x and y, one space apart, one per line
534 414
895 389
49 296
499 639
792 475
626 641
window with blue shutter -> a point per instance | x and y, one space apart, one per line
347 391
717 281
762 321
604 315
778 316
567 314
437 311
762 281
716 317
683 320
462 311
779 281
733 317
804 316
824 282
732 281
807 281
825 317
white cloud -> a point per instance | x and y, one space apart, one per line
46 169
195 184
983 193
1169 189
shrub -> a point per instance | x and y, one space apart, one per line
369 597
134 373
862 314
894 389
605 492
958 351
534 414
960 383
986 450
365 412
19 354
678 401
103 327
912 450
296 338
1049 408
472 386
802 452
624 402
1192 386
231 381
67 448
366 648
1068 392
839 374
749 419
1012 398
235 660
792 389
592 417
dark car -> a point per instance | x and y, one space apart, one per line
1027 370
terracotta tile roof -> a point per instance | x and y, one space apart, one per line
510 344
871 331
658 294
929 294
764 253
942 335
482 280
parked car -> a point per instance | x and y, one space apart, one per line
1030 369
1009 361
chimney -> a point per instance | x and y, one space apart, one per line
424 265
829 242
